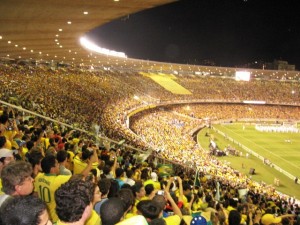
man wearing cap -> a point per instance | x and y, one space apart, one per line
270 219
6 156
154 177
152 180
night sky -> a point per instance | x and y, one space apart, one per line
227 32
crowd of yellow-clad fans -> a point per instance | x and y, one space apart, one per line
51 174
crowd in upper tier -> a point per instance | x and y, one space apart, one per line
89 98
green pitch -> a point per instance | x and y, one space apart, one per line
282 149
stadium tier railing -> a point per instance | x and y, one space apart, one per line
88 133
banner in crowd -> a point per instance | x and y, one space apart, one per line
165 170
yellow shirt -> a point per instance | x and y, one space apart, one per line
172 220
184 200
46 185
229 208
134 209
79 166
134 220
1 192
45 142
94 219
71 160
156 184
75 140
9 136
59 223
71 155
149 181
197 205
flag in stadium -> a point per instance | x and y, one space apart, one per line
197 181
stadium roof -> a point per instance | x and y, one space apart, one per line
50 30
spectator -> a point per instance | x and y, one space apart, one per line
62 158
149 209
234 217
139 193
129 175
94 218
46 183
119 177
104 186
70 211
35 158
25 210
6 156
149 190
128 199
16 180
81 161
112 211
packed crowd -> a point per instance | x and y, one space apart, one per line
64 177
89 98
235 112
52 175
167 134
168 129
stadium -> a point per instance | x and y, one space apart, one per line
218 139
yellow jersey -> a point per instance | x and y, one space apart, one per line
46 185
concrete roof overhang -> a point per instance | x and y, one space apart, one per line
29 28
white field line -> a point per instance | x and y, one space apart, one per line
277 156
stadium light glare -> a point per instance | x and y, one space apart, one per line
242 75
95 48
255 102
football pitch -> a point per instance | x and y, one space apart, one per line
281 149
